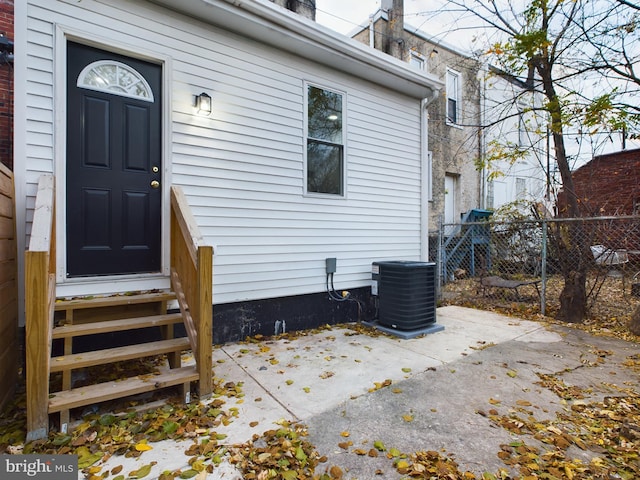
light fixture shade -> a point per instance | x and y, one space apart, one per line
203 104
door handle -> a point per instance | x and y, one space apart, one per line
155 184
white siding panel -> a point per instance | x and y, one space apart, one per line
242 168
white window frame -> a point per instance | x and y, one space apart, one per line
307 192
417 60
454 92
522 126
521 187
115 84
490 194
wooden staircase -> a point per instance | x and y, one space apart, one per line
63 321
95 316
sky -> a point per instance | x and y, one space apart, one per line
344 16
428 16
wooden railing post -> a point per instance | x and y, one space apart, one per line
192 280
40 298
205 320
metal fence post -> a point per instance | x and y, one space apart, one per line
543 267
440 255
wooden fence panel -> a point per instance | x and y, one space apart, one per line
9 344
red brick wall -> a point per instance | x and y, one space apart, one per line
608 185
6 88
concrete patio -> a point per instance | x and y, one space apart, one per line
338 380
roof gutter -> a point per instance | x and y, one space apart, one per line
287 31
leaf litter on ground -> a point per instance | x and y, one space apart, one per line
609 431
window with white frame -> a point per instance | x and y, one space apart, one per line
325 141
490 193
522 127
453 96
115 78
521 187
417 61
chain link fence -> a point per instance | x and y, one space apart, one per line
522 264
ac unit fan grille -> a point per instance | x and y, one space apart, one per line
407 294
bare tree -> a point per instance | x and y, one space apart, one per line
564 50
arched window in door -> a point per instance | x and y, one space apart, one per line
116 78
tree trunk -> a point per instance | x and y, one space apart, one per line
634 325
573 298
573 248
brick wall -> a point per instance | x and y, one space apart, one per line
608 185
6 87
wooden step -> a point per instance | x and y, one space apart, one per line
107 326
115 300
111 355
103 392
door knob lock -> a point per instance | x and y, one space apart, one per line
155 184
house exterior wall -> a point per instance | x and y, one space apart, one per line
512 123
306 8
6 87
455 148
608 185
242 168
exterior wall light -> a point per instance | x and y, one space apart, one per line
203 104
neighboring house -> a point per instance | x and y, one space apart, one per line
306 8
454 115
315 147
512 124
477 106
6 82
608 185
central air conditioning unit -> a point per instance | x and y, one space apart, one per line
406 294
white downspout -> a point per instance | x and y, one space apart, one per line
425 180
483 135
372 36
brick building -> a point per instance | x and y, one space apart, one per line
608 185
6 82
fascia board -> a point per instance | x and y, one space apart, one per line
287 31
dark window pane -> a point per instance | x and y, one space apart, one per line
324 168
452 110
325 115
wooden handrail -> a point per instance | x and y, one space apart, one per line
40 302
192 280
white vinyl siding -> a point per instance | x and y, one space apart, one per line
242 167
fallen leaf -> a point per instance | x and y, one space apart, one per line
142 471
378 445
336 473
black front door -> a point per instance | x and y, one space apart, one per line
113 178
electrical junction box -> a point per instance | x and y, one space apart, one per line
375 276
331 265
